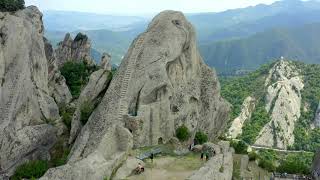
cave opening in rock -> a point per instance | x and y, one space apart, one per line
160 140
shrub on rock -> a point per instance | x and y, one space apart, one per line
200 137
86 110
240 147
182 133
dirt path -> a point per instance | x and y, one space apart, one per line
169 168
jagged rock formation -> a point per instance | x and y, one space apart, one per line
218 167
25 105
283 102
57 84
77 50
246 111
317 117
105 62
97 86
161 84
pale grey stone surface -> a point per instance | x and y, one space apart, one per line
105 62
100 163
26 108
283 103
247 108
57 84
98 82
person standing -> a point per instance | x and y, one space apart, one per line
207 156
151 157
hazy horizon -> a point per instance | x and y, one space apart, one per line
140 7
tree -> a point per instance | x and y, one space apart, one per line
11 5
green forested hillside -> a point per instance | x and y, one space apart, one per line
246 29
293 43
307 138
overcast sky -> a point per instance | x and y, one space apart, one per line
143 6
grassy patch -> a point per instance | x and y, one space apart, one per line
32 169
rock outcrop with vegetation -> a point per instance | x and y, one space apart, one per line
161 84
283 103
28 115
75 50
246 111
287 94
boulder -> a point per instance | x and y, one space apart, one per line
27 112
197 148
76 50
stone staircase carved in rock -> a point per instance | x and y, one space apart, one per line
12 88
123 105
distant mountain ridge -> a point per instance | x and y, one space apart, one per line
113 34
300 43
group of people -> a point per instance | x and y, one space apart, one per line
206 155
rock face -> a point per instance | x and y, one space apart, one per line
161 84
246 111
283 102
219 167
57 84
106 61
25 105
76 50
98 84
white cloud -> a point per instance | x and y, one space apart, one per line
142 6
